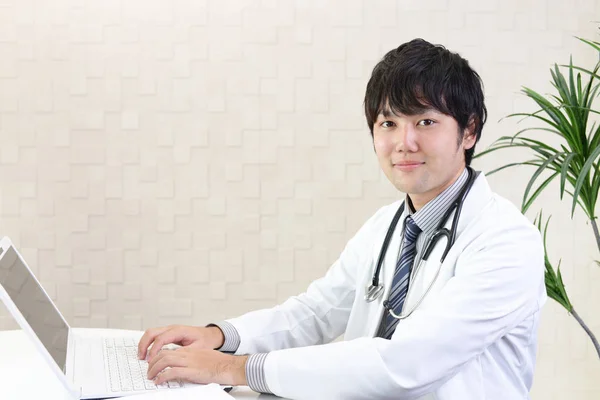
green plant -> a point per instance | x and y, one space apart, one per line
555 286
575 160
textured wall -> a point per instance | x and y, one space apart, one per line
186 161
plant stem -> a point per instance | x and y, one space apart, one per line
595 228
587 330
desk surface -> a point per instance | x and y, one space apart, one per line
27 376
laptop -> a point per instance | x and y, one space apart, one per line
89 367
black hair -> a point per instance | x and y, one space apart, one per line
419 75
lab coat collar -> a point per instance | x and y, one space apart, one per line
479 196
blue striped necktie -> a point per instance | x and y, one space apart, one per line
401 277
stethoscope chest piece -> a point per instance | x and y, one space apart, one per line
373 292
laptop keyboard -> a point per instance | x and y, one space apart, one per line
126 372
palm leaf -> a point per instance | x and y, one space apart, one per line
534 115
594 136
511 165
595 45
583 177
564 173
527 202
554 285
553 112
587 71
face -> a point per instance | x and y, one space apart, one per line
420 154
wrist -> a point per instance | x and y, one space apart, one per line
217 338
237 371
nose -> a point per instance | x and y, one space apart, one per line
406 138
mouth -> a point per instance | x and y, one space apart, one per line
407 165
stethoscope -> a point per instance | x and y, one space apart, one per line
375 289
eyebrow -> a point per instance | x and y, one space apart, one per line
386 113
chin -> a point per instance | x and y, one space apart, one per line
411 183
408 187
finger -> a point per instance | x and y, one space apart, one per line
163 361
166 337
152 362
178 373
147 339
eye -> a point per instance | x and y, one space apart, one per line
426 122
386 124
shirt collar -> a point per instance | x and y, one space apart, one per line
428 217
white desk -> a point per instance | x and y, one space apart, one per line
25 375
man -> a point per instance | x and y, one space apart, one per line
467 328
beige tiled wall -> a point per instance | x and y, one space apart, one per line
186 161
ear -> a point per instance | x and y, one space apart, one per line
469 136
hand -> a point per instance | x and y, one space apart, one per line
196 365
205 338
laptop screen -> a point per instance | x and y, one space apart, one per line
35 306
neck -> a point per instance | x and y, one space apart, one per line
419 200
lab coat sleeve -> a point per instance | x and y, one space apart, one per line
317 316
498 283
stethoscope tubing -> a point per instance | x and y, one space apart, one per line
375 289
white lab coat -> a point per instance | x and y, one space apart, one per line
474 336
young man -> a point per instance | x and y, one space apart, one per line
464 328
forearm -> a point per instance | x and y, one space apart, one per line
316 317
